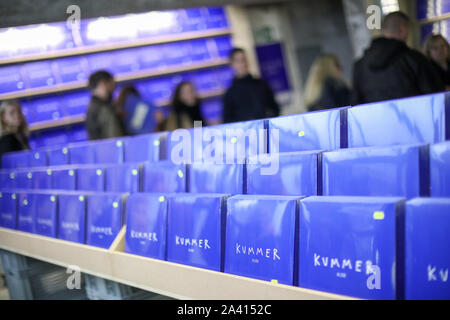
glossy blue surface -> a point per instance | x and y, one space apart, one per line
216 178
41 179
261 237
109 151
46 214
228 143
38 74
8 210
72 217
91 178
389 171
287 174
82 153
195 227
64 179
305 132
47 108
18 159
440 170
427 259
340 237
104 218
25 212
58 156
164 176
142 148
184 145
146 220
404 121
38 159
122 178
21 180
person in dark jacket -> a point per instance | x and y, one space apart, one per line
248 98
437 49
185 108
389 69
103 120
14 128
326 87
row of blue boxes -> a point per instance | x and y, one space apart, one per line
44 74
406 171
111 30
367 247
152 90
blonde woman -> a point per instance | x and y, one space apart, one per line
326 88
437 49
13 127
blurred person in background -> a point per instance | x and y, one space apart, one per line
326 87
138 115
103 120
389 69
248 98
437 49
185 108
13 128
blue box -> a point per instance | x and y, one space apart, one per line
58 156
72 217
78 133
216 18
150 57
76 103
21 179
72 69
199 51
109 151
440 170
46 214
54 137
142 148
90 178
196 228
122 178
261 237
11 79
146 220
321 130
104 218
139 115
287 174
8 210
404 121
396 171
176 53
49 108
183 145
125 61
64 178
19 159
25 212
5 180
40 179
348 246
216 178
233 142
223 46
427 225
164 176
82 153
38 74
38 159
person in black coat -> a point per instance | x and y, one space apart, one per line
326 87
14 128
185 108
248 98
437 49
389 69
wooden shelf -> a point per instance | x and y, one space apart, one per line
162 277
118 45
65 121
435 19
119 78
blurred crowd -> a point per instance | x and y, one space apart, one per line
389 69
